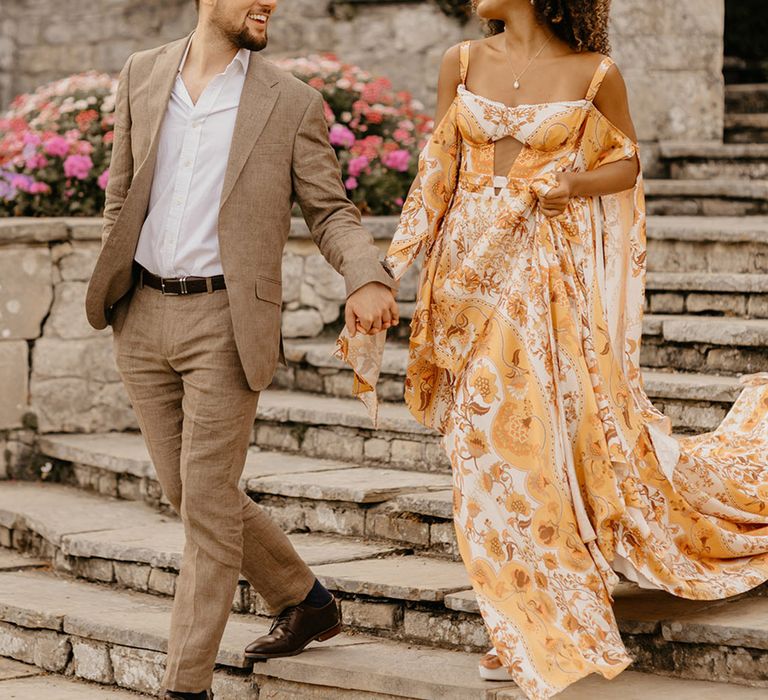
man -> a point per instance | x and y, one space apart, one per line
212 144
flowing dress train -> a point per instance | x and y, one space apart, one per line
524 355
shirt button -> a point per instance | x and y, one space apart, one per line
188 164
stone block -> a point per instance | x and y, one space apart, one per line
277 437
726 304
92 661
329 309
442 538
76 405
377 450
758 306
95 569
401 578
326 282
44 648
67 319
138 669
21 229
26 291
368 615
736 360
302 323
107 485
324 517
400 527
162 581
132 575
293 274
339 443
408 453
14 372
230 686
129 488
308 380
667 303
446 630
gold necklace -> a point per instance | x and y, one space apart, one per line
516 84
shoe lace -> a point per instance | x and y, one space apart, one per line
283 618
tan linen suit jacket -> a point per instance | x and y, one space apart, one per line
280 153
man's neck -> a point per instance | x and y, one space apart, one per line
209 53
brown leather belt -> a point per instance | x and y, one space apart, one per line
176 286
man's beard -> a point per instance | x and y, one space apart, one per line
245 40
241 38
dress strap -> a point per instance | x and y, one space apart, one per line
464 60
597 80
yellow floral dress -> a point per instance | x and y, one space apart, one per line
524 354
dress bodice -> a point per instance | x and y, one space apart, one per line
551 133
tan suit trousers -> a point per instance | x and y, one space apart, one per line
179 363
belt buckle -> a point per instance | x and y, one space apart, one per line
166 293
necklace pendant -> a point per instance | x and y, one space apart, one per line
516 84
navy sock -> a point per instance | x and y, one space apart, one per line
319 596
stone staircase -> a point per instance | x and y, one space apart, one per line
89 552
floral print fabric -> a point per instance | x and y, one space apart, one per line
524 354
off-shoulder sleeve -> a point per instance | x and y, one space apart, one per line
621 227
422 215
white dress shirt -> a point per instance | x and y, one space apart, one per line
180 234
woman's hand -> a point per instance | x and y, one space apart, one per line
554 202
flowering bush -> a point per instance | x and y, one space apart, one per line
55 147
55 144
377 133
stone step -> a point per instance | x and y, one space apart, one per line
746 128
713 159
705 344
20 681
716 293
131 545
711 197
303 494
119 638
708 244
695 402
746 98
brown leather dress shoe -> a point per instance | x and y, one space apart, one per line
293 629
178 695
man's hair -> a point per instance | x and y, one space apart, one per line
197 4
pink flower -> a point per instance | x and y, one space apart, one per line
317 83
399 201
357 165
36 161
32 139
351 183
103 180
402 135
341 136
397 160
78 167
83 148
56 146
39 188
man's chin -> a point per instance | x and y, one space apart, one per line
246 40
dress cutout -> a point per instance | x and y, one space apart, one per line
524 355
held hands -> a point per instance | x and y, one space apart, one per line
371 309
554 202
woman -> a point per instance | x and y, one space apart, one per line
524 349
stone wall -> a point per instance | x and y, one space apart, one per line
670 52
58 375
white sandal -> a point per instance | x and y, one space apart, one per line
491 669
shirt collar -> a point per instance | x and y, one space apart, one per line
242 57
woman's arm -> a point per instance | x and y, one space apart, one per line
611 101
448 81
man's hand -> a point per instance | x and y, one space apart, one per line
371 309
554 202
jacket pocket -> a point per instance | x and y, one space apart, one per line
269 290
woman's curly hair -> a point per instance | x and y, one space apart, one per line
582 24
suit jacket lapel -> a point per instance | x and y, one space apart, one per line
256 104
161 82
